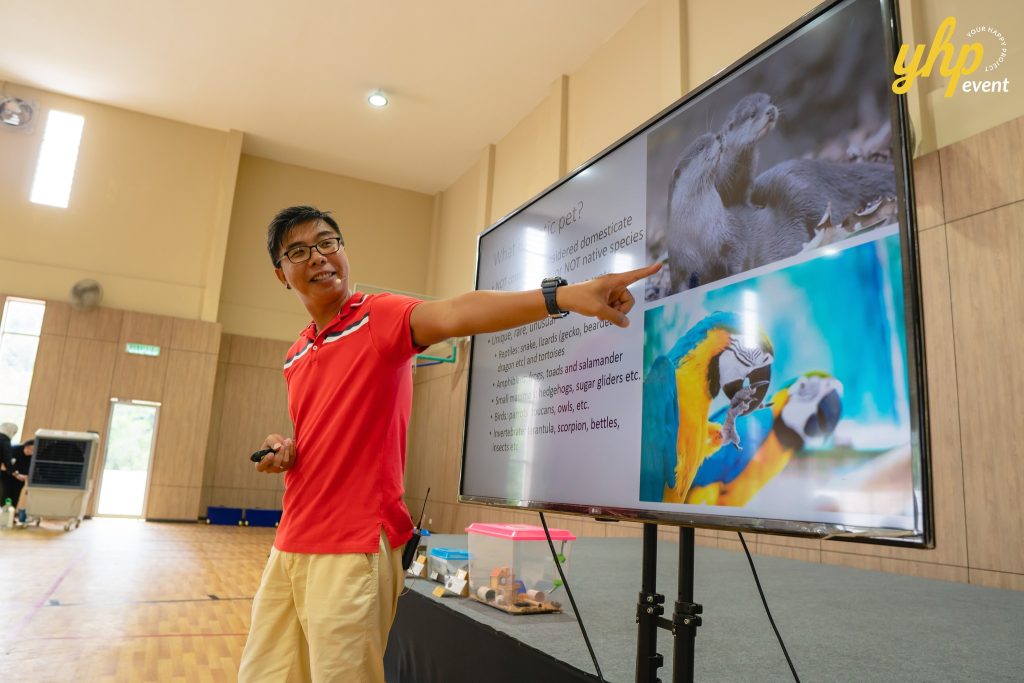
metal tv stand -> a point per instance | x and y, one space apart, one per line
685 619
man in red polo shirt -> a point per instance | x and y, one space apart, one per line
330 588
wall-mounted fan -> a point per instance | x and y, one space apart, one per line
17 113
86 295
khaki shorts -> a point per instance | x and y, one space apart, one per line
323 617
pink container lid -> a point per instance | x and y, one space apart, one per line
519 532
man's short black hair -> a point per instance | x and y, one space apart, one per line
30 442
286 219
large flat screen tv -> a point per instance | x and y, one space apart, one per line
772 378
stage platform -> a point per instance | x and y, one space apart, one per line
839 624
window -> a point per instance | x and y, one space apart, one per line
19 339
57 159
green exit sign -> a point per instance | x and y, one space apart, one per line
142 349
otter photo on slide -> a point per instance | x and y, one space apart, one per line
725 218
788 156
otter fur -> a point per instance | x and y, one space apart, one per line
747 122
806 188
702 240
788 201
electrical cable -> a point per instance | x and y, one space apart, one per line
572 601
768 611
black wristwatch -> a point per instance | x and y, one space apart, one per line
549 286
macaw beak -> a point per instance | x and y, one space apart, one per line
730 388
824 420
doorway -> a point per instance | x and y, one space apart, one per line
130 440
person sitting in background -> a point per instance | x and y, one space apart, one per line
15 479
7 432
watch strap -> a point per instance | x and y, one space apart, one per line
549 286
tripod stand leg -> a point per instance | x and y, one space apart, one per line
648 612
685 619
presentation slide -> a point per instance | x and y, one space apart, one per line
768 378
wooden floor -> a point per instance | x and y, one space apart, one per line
126 600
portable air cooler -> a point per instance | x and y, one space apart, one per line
60 476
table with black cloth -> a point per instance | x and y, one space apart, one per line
839 623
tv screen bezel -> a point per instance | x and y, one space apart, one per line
916 365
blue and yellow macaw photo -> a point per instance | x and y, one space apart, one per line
829 440
715 356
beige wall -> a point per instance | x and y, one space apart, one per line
147 216
386 231
638 72
722 31
249 402
81 364
464 211
532 155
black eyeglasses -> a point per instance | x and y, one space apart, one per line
302 252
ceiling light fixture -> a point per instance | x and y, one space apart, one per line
377 99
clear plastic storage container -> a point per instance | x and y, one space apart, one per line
511 568
445 562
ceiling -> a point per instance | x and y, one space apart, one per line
294 76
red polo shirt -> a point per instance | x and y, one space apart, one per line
349 397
